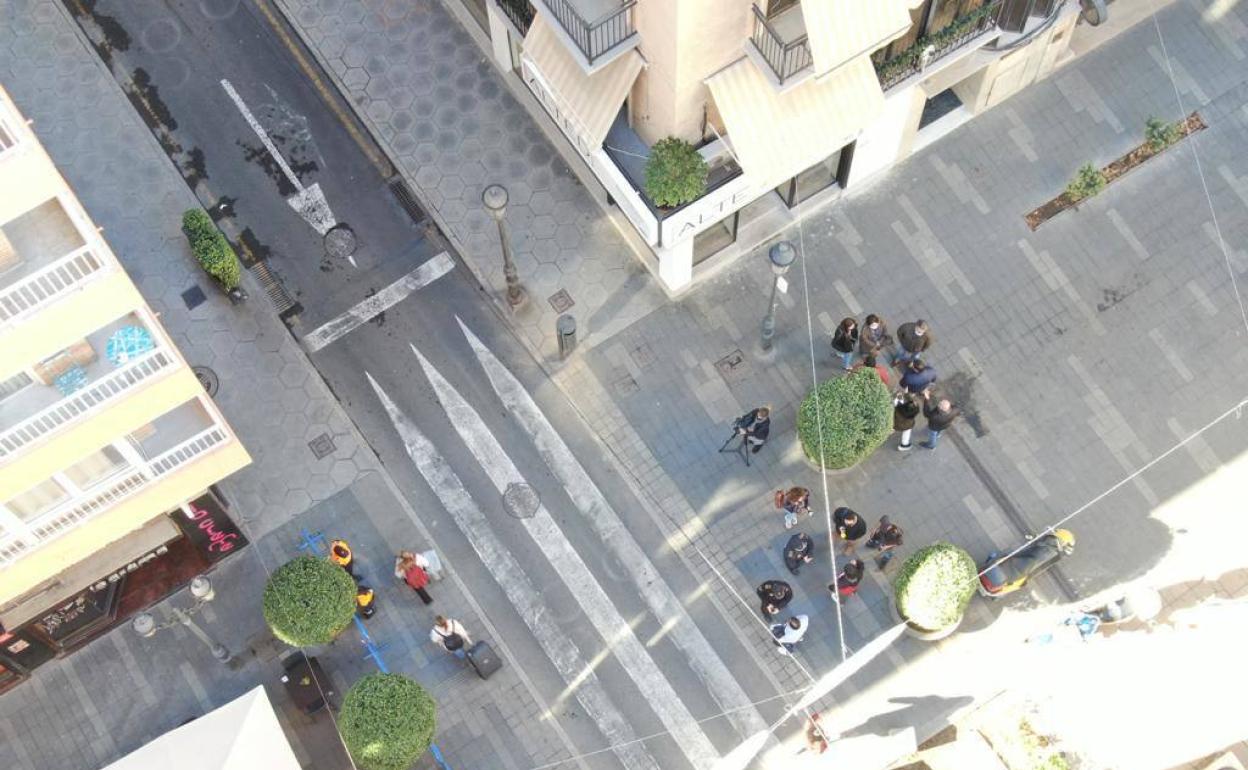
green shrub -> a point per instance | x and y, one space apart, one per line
1088 181
1159 134
387 721
309 601
935 585
893 70
855 415
211 249
675 173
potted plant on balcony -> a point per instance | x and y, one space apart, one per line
845 419
214 253
675 173
387 721
309 601
933 589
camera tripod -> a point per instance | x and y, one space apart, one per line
742 448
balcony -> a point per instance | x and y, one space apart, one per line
43 256
598 29
782 43
519 12
79 381
978 25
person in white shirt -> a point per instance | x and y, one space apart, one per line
451 636
787 635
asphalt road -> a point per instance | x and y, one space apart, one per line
172 58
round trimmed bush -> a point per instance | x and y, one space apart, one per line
211 249
845 419
675 173
309 601
935 585
387 721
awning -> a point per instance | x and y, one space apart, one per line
840 31
590 102
778 135
77 577
244 734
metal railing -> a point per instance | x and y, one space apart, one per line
597 37
521 13
64 518
785 59
932 48
89 399
48 284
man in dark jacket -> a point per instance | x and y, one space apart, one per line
775 595
940 415
798 551
912 340
850 527
918 376
755 426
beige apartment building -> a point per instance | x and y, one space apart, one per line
791 102
108 443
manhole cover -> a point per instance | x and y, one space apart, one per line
322 446
561 301
193 297
733 366
207 378
340 242
521 500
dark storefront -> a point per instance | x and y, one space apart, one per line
104 590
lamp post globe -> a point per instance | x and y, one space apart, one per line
144 625
781 257
494 198
201 589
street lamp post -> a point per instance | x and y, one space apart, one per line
495 199
201 588
782 256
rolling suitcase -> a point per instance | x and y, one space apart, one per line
484 660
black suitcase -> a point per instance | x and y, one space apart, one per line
484 660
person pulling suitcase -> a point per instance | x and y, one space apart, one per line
451 636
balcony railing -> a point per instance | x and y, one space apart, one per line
930 49
48 284
521 13
90 398
597 37
64 518
785 59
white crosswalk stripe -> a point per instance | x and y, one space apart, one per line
593 600
520 591
606 522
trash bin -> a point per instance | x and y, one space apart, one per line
565 329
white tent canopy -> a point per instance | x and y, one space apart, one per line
241 735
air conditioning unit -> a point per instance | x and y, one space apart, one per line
1227 761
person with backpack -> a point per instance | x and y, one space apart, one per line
412 568
884 538
844 340
795 503
451 636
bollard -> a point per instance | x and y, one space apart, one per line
565 329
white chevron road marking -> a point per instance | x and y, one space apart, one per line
520 591
703 659
597 606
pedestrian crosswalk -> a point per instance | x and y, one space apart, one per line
651 675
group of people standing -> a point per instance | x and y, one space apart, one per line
917 377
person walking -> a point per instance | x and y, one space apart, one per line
873 337
918 376
754 426
340 554
905 409
412 568
787 635
794 503
850 527
798 551
844 340
884 538
913 339
940 415
451 636
816 739
869 361
847 582
775 595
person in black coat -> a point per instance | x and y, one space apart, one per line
844 340
940 415
850 527
918 376
913 339
905 409
775 595
798 551
755 426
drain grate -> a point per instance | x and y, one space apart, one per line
286 307
408 201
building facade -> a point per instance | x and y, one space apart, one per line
109 446
791 102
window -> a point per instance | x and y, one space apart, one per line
715 238
7 139
37 500
829 172
14 385
96 467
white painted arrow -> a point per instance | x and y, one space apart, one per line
308 202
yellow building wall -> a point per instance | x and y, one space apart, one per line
122 519
103 300
30 179
80 439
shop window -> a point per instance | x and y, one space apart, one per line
830 172
939 106
96 467
37 500
715 238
